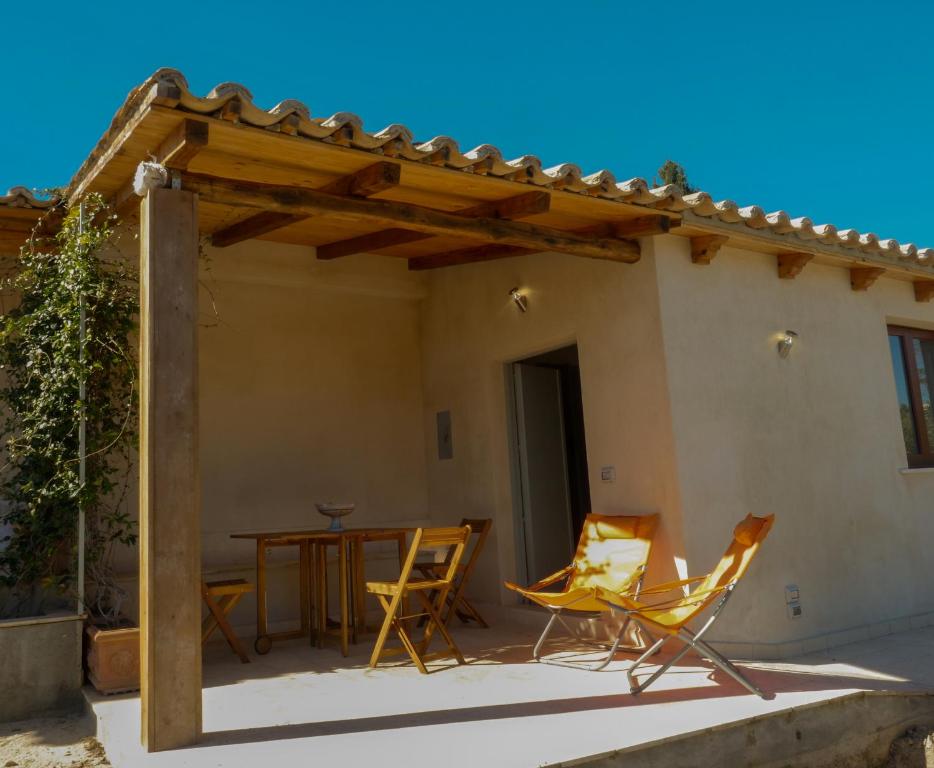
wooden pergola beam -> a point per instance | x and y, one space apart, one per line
298 200
863 277
642 226
363 183
515 207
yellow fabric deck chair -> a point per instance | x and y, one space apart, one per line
671 616
431 593
611 558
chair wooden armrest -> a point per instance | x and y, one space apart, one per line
557 576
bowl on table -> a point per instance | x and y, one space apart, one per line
335 512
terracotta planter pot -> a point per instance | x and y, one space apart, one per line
113 658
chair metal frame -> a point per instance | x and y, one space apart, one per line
708 595
691 640
558 617
432 593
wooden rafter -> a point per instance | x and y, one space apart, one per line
363 183
863 277
705 247
924 290
515 207
790 264
642 226
308 202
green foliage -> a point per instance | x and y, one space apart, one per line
673 173
43 362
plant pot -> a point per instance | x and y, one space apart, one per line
113 658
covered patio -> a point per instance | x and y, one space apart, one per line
301 705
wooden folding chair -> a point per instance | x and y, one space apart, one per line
220 597
457 602
431 593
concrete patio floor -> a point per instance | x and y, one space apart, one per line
300 705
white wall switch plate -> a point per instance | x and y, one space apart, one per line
608 474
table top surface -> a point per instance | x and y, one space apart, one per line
323 533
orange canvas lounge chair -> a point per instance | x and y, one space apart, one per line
671 616
611 557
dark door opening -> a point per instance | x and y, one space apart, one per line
552 458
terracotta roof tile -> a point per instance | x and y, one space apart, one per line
21 197
232 101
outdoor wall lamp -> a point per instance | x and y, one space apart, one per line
521 301
785 343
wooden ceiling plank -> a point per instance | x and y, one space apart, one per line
515 207
296 200
363 183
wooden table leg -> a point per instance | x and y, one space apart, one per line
262 643
321 586
359 582
342 576
303 587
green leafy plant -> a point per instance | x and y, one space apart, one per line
44 361
674 173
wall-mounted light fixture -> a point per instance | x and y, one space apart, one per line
521 301
785 343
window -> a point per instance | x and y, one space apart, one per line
913 360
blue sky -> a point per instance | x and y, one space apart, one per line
822 109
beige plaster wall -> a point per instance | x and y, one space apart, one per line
311 390
814 438
471 329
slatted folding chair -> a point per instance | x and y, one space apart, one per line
457 602
220 598
611 558
431 593
671 616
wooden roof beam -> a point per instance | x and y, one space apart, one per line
863 277
924 290
791 264
363 183
308 202
705 247
642 226
515 207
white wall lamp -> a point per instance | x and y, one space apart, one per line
785 343
521 301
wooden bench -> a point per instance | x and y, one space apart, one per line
220 598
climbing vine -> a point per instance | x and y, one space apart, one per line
43 361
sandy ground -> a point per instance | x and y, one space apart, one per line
54 742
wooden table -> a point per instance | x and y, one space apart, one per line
312 546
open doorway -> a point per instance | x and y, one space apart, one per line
551 485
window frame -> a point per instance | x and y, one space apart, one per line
906 337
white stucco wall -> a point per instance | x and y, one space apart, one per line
814 438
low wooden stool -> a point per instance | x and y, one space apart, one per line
220 597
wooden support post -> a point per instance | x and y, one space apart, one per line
170 509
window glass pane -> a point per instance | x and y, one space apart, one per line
924 359
904 400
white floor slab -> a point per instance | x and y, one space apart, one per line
301 706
